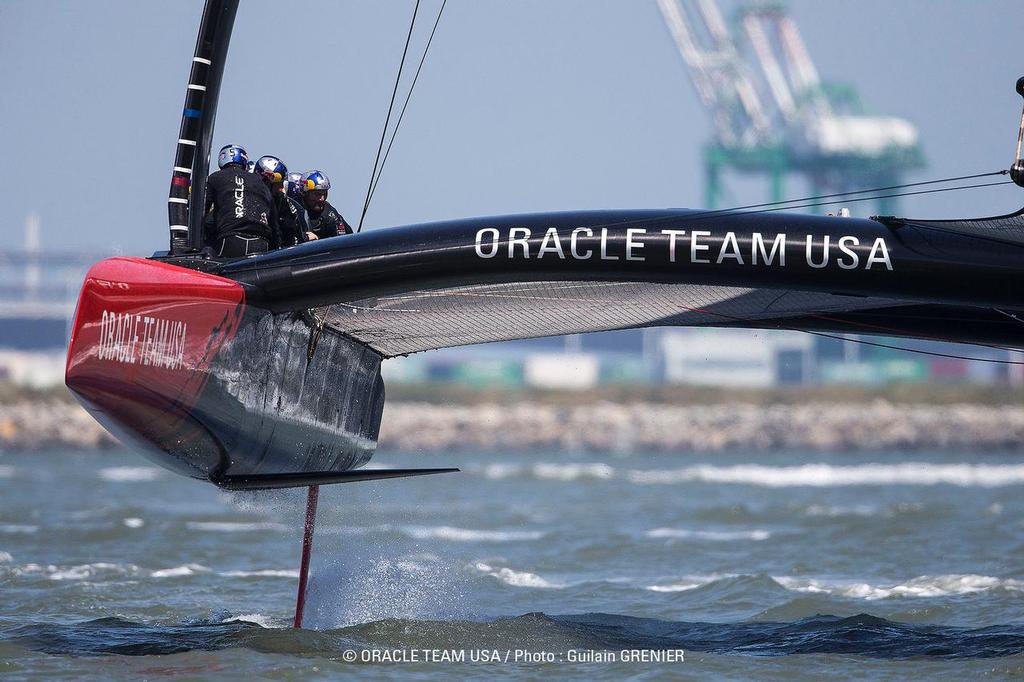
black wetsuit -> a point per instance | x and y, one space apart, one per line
243 211
288 227
328 224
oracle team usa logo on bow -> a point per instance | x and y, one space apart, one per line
142 340
846 252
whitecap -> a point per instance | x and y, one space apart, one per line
470 535
254 618
5 557
689 582
133 522
674 587
516 578
262 573
128 474
6 471
235 526
573 472
829 475
713 535
179 571
77 572
497 472
834 511
20 528
925 586
546 471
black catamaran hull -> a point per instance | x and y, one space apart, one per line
176 362
267 373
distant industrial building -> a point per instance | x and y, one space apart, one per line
736 358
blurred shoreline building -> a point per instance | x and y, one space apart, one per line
38 292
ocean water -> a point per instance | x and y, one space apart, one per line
791 565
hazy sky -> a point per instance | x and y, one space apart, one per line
522 106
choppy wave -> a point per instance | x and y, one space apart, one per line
6 557
516 578
833 511
180 571
689 582
925 586
829 475
712 535
855 635
805 475
129 474
469 534
254 618
261 573
235 526
91 571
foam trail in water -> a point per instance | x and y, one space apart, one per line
829 475
470 535
712 535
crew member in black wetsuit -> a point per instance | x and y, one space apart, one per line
318 219
273 171
241 206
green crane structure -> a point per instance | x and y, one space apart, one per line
775 116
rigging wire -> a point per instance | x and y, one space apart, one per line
408 96
871 198
387 120
954 356
877 344
697 215
858 191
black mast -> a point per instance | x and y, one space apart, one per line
186 201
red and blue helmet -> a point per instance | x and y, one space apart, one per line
232 154
272 169
314 180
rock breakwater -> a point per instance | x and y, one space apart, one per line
610 426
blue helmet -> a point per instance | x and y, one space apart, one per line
315 180
295 186
272 169
232 154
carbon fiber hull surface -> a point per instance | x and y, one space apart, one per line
176 362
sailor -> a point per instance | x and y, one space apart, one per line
241 207
294 190
273 171
318 219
